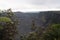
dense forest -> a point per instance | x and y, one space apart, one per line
49 28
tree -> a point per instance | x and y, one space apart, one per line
33 27
5 19
9 24
34 34
53 33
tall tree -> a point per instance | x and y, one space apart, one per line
9 28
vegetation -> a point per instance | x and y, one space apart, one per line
52 32
8 25
9 22
5 19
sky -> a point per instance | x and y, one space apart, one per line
30 5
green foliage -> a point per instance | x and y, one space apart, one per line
8 24
5 19
53 33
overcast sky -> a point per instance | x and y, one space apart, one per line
30 5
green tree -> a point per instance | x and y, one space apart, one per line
52 33
8 23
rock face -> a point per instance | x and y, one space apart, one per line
42 19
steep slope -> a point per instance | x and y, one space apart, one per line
41 19
51 17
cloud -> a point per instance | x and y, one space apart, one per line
30 5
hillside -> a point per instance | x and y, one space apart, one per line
42 19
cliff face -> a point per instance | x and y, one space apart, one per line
51 17
42 19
